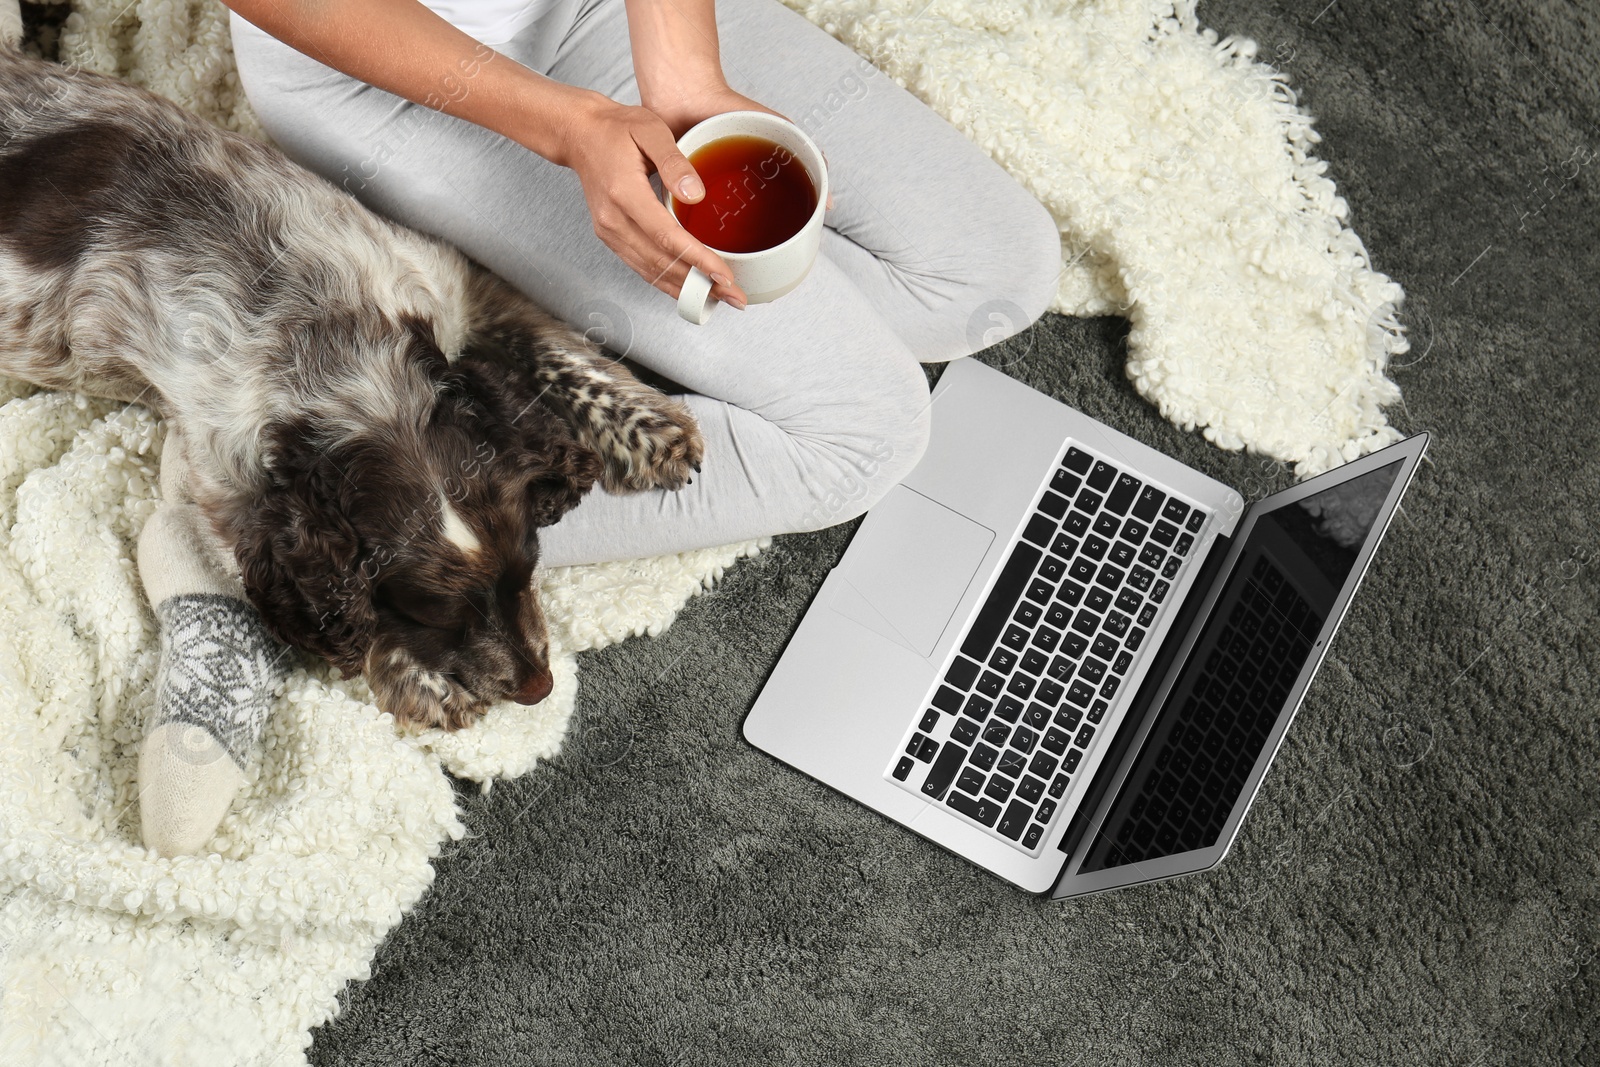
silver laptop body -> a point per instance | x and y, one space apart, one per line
1034 651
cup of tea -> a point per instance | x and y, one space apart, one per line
766 189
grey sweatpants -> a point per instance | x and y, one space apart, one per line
812 406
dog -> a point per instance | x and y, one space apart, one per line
376 426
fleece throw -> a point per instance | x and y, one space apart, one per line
1180 171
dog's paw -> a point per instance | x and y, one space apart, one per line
654 444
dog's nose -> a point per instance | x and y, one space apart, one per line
535 689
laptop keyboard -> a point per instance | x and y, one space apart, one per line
1019 707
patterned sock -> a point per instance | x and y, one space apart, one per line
215 681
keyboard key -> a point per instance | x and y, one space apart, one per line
1068 719
1128 601
962 673
996 733
1032 837
997 608
1149 503
1165 533
943 771
1152 555
1134 531
1092 670
1036 716
1069 762
1003 660
965 731
1197 519
1040 591
1108 688
1086 622
1056 741
1046 638
1065 546
1012 762
1134 639
1101 476
1158 592
999 788
1085 735
1110 576
1171 569
1033 661
1058 616
1074 645
979 811
1076 524
1050 693
1077 461
1023 739
914 746
1040 529
1088 502
903 768
983 757
1044 765
1080 694
1104 647
947 699
1175 511
1052 505
1015 820
1065 482
991 684
1117 623
1015 638
1122 554
1185 542
1059 784
1124 661
1123 494
1053 568
930 719
1020 686
1030 788
971 779
1008 709
1082 571
976 708
1147 615
1107 526
1046 809
1098 600
1061 668
1027 614
1095 547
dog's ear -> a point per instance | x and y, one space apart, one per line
302 561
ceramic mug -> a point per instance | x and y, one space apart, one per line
771 272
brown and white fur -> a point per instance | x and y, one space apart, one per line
376 426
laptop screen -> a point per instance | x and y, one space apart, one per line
1195 762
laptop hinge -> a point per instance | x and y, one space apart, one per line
1140 707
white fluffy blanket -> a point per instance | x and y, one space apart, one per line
1181 175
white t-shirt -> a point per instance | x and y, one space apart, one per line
494 22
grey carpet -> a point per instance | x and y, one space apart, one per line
1416 883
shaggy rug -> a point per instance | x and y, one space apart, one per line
1180 171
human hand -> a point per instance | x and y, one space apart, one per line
613 148
683 111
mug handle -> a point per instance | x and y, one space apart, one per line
694 299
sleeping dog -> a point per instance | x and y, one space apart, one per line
376 426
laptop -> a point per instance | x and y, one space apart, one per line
1063 655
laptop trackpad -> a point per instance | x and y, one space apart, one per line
907 568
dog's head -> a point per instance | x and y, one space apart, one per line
407 549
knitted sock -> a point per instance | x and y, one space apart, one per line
218 672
